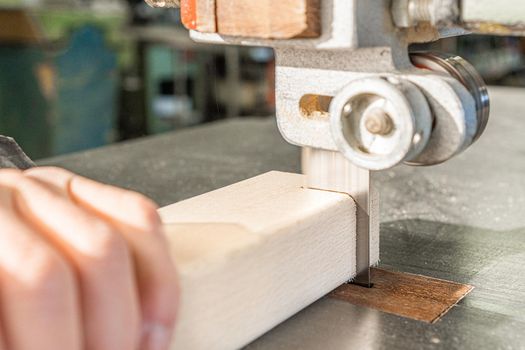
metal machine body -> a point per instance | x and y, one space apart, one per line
361 52
357 101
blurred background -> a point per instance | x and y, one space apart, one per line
79 74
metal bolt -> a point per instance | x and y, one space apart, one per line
378 122
408 13
421 10
163 3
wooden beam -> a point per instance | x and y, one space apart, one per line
269 19
17 26
252 254
199 15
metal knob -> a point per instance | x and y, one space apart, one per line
378 123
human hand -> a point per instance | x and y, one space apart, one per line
82 266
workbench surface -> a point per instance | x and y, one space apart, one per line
463 221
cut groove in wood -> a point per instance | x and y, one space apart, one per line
269 19
252 254
413 296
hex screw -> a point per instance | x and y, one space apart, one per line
378 122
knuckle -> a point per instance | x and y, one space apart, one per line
18 181
147 211
56 177
47 170
46 271
17 184
106 243
10 175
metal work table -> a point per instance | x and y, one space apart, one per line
463 221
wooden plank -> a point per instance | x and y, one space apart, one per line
252 254
199 15
414 296
16 26
269 19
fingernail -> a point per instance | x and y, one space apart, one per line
155 337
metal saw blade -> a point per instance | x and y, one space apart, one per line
331 171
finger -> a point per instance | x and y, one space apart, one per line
117 204
99 255
137 218
2 341
39 303
156 274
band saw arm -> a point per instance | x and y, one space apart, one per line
349 92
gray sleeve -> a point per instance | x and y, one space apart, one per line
12 156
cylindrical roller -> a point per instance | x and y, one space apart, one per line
466 74
378 123
454 113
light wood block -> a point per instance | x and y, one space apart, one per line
269 19
252 254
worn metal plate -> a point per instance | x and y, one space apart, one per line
404 294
